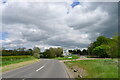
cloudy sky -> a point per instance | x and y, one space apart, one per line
29 24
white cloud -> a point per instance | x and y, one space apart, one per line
48 24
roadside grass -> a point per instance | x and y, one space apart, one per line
7 60
17 65
99 68
67 57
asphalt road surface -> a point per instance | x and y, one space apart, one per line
47 68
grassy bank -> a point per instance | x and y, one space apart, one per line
100 68
67 57
17 65
7 60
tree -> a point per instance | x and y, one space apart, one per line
101 51
79 51
59 52
30 52
52 53
74 51
84 52
105 47
114 50
70 51
46 53
101 40
36 52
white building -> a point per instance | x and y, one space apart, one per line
65 52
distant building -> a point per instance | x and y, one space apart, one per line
65 52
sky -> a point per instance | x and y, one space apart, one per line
56 24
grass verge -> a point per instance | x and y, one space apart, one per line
67 57
12 62
7 60
17 65
100 68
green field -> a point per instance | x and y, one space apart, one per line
67 57
100 68
6 60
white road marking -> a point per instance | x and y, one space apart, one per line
40 68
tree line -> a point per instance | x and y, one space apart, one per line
102 47
52 53
105 47
48 53
78 51
21 51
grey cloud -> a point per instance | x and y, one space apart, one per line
105 20
30 24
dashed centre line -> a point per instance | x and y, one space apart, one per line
40 68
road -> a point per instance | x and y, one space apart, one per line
46 68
